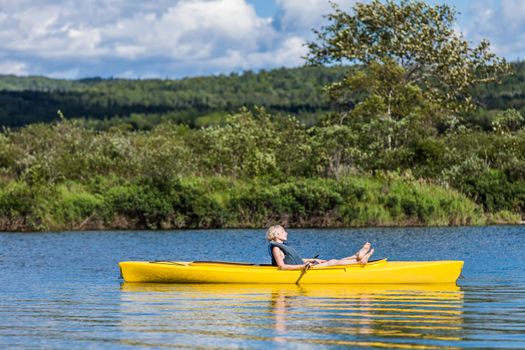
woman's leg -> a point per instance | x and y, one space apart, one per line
367 256
363 251
353 257
360 254
348 261
337 262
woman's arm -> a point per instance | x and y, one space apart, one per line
278 255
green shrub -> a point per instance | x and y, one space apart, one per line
145 204
16 199
504 217
74 204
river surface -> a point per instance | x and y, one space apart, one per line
62 291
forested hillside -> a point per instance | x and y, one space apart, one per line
143 103
205 100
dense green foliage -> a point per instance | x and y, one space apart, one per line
144 103
193 202
254 170
509 93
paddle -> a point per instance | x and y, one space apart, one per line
303 270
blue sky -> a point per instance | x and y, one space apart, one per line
179 38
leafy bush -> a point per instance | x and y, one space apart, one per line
74 204
254 170
16 199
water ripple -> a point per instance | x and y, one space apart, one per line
292 316
61 291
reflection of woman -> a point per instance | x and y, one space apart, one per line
287 257
287 303
279 306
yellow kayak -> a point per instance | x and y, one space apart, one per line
380 271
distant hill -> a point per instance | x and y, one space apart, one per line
297 91
510 93
202 100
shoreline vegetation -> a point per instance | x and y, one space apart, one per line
353 201
247 173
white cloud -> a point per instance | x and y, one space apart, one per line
12 67
174 38
288 54
501 22
514 10
65 74
94 32
166 38
197 29
300 16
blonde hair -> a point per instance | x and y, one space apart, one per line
273 232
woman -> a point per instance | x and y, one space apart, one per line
287 257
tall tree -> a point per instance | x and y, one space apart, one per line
406 55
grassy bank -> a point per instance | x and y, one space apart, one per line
193 202
255 170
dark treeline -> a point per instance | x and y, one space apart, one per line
507 94
144 103
202 101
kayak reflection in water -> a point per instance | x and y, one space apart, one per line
287 258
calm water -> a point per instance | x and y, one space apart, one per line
62 291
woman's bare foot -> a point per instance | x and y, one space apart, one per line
363 251
367 256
